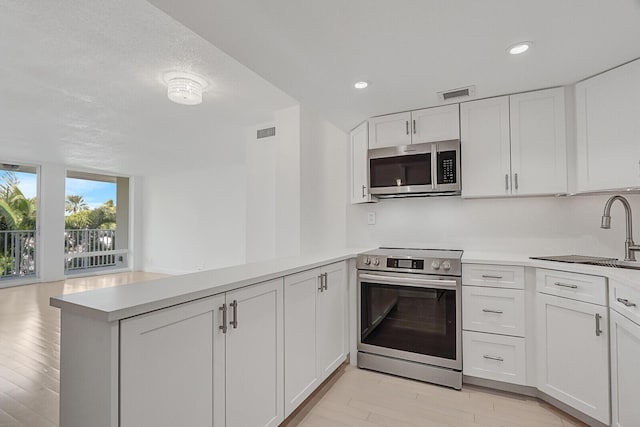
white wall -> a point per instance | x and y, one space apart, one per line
532 226
51 196
194 220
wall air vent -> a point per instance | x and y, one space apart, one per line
266 132
463 92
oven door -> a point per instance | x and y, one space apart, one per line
410 317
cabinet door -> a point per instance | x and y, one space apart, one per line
538 142
359 139
573 354
300 352
332 319
608 129
390 130
167 364
254 356
485 152
435 124
625 375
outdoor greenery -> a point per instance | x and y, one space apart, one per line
80 216
16 211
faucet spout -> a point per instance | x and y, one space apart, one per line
629 246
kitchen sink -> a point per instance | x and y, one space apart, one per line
591 260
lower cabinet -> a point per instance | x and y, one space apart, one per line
573 354
625 374
314 330
215 361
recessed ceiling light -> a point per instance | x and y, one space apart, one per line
360 85
184 88
519 48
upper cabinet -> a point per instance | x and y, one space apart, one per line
359 145
608 130
514 145
414 127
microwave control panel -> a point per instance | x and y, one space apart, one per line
447 167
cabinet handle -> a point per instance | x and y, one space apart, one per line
234 322
486 310
321 277
363 187
498 358
223 327
506 182
598 330
325 281
406 125
566 285
414 127
626 302
488 276
516 180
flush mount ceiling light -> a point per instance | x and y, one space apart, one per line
360 85
519 48
184 88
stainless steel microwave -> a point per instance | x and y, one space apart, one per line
427 169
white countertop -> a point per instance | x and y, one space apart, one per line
112 304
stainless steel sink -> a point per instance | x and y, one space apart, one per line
591 260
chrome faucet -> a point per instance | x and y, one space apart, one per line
629 246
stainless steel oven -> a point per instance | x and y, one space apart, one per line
409 314
431 168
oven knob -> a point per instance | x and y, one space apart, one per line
435 265
376 261
446 266
367 260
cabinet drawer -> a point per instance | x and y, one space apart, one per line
494 357
496 276
580 287
625 300
493 310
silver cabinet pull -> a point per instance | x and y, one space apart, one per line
414 127
223 327
506 182
406 125
626 302
321 279
598 330
498 358
234 322
363 187
325 281
566 285
486 310
489 276
516 180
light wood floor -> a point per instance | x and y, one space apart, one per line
29 378
30 347
360 398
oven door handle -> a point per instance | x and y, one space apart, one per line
409 281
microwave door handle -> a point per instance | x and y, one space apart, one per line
408 281
434 166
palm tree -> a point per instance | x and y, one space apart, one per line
75 204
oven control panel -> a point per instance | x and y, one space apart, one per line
413 264
440 262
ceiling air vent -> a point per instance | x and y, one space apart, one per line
266 132
463 92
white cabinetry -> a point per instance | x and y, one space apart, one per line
608 129
625 374
573 348
415 127
315 329
514 145
359 140
493 308
178 367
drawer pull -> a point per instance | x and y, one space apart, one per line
566 285
486 310
488 276
626 302
498 358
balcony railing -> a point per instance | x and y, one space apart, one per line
17 253
90 248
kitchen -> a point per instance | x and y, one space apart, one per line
284 218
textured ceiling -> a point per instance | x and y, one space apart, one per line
81 84
410 49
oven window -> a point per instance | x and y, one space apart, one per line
400 170
417 320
